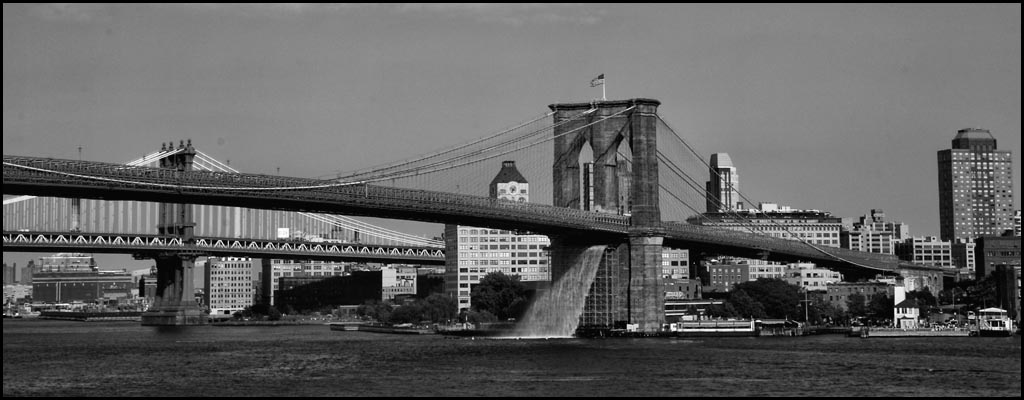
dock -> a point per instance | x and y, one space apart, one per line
866 332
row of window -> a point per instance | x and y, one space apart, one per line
500 254
541 261
528 238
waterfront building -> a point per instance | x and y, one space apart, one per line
229 285
722 277
309 293
718 275
975 187
676 275
838 293
873 234
766 269
90 287
810 277
991 251
905 311
723 185
675 263
927 250
275 269
397 281
906 314
473 252
75 277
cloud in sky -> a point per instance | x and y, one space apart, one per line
74 12
509 14
513 14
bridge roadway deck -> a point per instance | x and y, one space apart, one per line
86 179
69 178
121 243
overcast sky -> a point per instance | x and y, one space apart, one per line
834 107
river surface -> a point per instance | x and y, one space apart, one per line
63 358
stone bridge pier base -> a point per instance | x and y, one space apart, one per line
628 285
646 283
175 302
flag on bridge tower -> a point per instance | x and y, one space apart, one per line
599 81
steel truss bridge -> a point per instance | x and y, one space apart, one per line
142 245
97 180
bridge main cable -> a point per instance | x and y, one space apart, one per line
770 220
383 233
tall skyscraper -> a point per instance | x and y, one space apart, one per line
723 185
975 187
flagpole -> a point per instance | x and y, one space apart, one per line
604 83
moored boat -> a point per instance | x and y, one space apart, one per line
408 329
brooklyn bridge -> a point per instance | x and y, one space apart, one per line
618 176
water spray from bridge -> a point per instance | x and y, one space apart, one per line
556 312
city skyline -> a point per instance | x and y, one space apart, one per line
833 107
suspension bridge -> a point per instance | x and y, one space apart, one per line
44 224
639 180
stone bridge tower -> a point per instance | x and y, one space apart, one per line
630 276
175 291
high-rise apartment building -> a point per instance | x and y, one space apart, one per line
723 185
975 187
473 252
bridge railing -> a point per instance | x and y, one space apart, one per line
144 242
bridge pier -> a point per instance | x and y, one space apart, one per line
175 292
646 283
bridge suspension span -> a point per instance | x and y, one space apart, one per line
55 214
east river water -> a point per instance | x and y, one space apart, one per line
61 358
